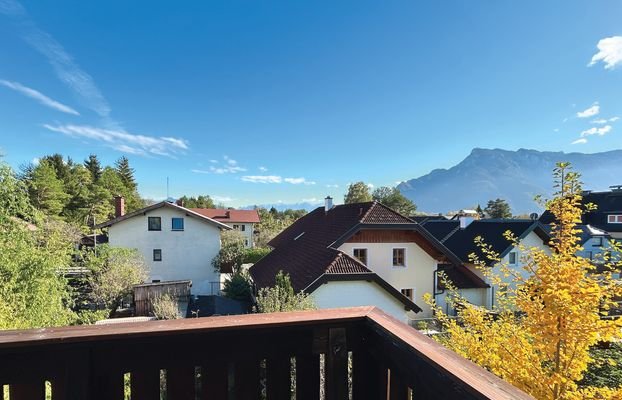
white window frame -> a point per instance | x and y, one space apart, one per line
515 257
404 261
614 219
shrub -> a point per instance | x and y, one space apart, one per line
165 306
238 287
251 256
281 297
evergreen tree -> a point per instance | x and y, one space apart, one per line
394 199
94 167
198 202
47 192
498 208
126 173
358 192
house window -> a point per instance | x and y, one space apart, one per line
237 227
157 254
246 242
399 257
242 228
408 293
589 255
614 219
361 255
155 223
598 241
178 224
512 258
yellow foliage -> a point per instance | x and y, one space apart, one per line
546 320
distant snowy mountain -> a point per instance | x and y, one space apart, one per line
285 206
516 176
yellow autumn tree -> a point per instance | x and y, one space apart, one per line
547 315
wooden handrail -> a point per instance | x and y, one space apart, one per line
387 357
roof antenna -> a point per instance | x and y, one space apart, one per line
167 196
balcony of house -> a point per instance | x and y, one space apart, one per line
354 353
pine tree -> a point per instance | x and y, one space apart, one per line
93 165
498 208
126 173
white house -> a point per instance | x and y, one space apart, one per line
459 237
243 221
177 243
358 254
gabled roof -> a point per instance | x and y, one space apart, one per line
461 242
229 216
156 206
606 203
307 250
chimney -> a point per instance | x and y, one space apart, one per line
180 202
465 221
227 214
119 206
328 203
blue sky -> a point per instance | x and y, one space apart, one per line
259 102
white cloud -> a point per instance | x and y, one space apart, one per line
200 171
589 112
556 130
66 69
599 121
609 52
229 166
332 186
370 185
263 169
214 161
311 200
580 141
124 141
298 181
596 131
35 161
40 97
262 179
614 119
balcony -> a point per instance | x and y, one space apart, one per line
362 353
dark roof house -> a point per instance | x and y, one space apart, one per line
308 249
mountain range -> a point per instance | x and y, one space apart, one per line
516 176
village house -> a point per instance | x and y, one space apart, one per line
177 243
359 254
459 236
243 221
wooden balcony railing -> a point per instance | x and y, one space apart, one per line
362 353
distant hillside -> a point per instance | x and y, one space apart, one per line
516 176
308 206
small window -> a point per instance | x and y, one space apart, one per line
157 254
512 258
237 227
246 242
155 223
398 257
361 255
242 228
614 219
155 281
178 224
408 293
598 241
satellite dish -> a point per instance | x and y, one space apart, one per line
533 216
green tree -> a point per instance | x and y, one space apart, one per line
498 208
47 192
94 167
197 202
282 297
394 199
126 173
33 292
358 192
113 273
231 254
238 286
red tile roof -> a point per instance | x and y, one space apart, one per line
229 216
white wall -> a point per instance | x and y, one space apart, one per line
591 245
247 233
358 293
186 254
418 274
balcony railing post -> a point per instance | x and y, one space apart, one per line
278 382
337 365
308 377
369 376
145 383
